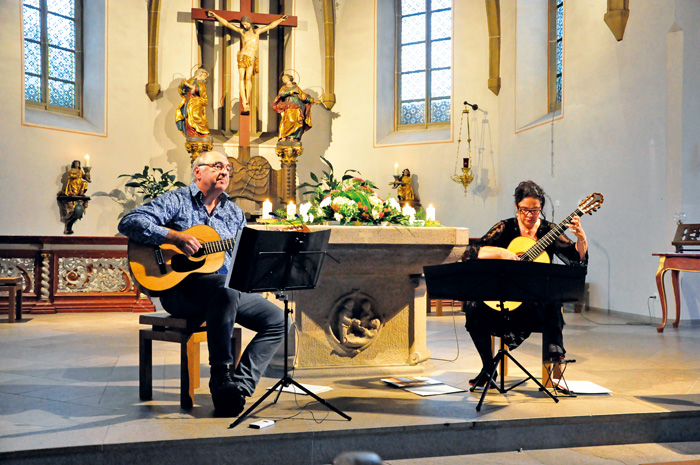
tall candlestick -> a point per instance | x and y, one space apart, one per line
430 213
291 210
87 160
396 168
266 209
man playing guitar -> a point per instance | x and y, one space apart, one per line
167 221
501 242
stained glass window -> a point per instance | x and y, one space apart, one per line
556 54
52 64
425 62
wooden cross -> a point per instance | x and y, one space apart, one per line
256 18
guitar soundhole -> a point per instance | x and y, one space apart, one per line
182 264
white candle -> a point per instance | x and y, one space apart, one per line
291 210
87 160
430 213
409 212
266 209
396 168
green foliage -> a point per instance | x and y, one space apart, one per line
151 185
324 185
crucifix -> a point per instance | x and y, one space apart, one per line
247 56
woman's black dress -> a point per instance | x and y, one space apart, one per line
483 321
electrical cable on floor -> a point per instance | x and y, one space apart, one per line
454 327
627 323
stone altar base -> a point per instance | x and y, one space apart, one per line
369 309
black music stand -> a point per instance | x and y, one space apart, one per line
505 280
279 261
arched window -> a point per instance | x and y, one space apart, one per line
424 58
52 55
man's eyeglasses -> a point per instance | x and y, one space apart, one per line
218 166
527 211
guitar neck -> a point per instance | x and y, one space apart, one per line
539 247
216 246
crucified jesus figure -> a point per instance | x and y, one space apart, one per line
248 54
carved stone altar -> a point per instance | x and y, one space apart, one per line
368 311
70 274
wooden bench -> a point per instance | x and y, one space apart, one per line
14 297
189 334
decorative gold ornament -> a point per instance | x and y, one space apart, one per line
197 145
72 200
466 177
289 153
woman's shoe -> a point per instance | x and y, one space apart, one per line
481 379
555 354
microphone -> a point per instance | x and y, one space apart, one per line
473 105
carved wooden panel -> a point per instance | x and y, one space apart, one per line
71 274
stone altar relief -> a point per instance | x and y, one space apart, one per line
354 323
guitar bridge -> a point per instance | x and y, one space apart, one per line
160 260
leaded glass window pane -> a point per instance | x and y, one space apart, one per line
62 93
412 57
440 110
441 25
413 86
409 7
441 83
413 113
51 50
61 31
413 29
32 23
63 7
441 54
32 88
32 58
559 88
61 64
425 51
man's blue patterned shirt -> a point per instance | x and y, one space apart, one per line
179 210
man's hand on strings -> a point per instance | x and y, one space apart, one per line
189 245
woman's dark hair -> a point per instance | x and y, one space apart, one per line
529 189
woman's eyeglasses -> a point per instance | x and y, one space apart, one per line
527 211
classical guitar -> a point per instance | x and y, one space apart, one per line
161 268
532 251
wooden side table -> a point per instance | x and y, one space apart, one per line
14 298
676 262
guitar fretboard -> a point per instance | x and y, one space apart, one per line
537 249
217 246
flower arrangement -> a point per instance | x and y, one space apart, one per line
350 200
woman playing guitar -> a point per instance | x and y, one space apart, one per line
505 241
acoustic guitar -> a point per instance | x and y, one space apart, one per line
161 268
529 250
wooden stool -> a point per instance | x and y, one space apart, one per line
14 297
188 334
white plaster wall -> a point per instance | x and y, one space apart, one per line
614 139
